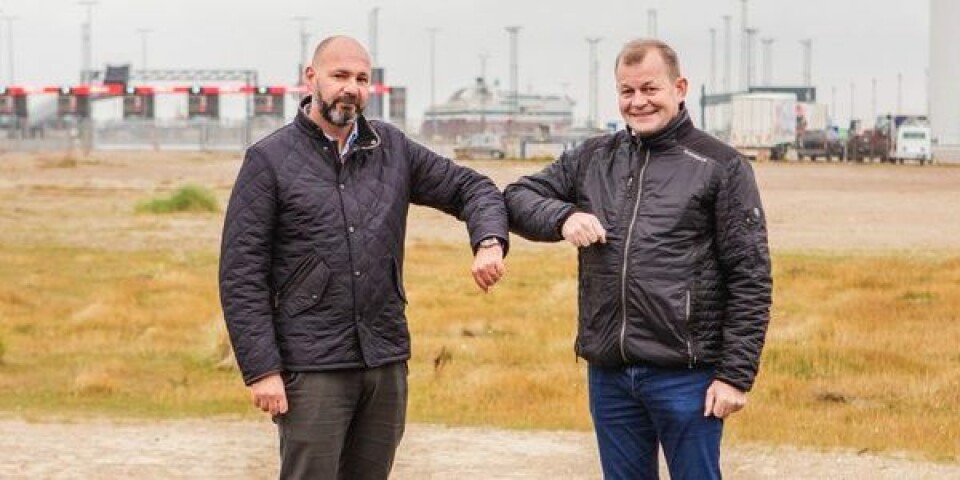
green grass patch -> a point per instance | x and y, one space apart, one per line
188 198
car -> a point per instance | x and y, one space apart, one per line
819 143
478 152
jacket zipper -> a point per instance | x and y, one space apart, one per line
686 320
626 257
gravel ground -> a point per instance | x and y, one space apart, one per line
247 449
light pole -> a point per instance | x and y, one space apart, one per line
484 91
713 60
513 31
834 114
514 76
852 98
87 41
727 53
483 66
899 93
433 77
10 62
592 41
744 48
767 54
751 35
807 67
374 33
143 46
304 39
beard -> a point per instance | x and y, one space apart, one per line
333 111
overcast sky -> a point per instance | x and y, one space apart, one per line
854 42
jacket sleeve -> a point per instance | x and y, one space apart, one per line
538 204
744 258
245 263
440 183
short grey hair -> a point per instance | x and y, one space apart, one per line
635 51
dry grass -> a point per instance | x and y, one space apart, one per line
862 350
862 353
509 353
114 333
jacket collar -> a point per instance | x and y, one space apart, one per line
367 137
678 127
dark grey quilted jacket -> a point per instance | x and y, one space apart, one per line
311 266
684 278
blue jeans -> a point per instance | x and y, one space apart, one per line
639 407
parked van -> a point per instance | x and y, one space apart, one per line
912 142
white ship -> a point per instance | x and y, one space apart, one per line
480 110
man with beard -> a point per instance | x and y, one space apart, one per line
674 272
311 269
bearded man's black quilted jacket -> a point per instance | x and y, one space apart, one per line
311 266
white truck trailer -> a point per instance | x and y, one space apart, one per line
759 125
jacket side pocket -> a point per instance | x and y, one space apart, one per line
309 292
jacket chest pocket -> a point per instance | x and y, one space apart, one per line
308 292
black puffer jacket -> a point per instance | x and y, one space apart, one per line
311 267
684 277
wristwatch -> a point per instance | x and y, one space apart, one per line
489 242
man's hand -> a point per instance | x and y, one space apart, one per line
723 399
488 266
583 229
269 394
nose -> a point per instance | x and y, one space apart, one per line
352 87
638 101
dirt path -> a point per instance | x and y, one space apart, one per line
247 449
823 207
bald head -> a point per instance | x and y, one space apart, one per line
339 45
339 82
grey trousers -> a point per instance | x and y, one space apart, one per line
342 425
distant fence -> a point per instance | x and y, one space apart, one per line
197 134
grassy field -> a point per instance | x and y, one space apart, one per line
110 310
862 350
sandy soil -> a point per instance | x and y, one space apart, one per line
89 203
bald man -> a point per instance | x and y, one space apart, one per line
311 269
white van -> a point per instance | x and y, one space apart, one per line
912 143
